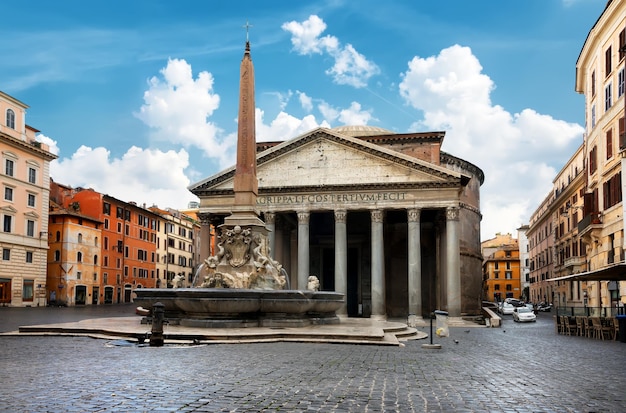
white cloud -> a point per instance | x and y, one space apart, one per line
355 116
284 126
519 153
140 175
305 101
350 68
329 113
53 147
177 108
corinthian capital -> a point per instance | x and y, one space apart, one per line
414 214
452 214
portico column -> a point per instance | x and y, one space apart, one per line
378 259
303 249
270 220
205 236
415 263
453 263
341 257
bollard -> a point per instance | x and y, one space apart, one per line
158 315
431 345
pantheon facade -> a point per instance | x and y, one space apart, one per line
387 219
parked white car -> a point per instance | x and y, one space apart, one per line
523 314
506 308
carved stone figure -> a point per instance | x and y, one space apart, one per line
313 283
178 281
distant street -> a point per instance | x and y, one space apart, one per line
517 368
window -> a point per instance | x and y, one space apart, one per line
593 160
28 290
79 256
622 134
8 223
30 228
496 287
509 287
80 238
31 200
57 255
593 83
6 254
508 275
32 175
10 119
79 275
106 223
609 144
106 208
9 167
608 96
29 256
607 62
622 44
620 83
612 191
8 193
593 116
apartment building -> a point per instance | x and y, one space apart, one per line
600 77
177 248
74 275
128 241
541 245
25 173
501 268
570 250
524 260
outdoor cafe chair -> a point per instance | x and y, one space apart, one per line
580 326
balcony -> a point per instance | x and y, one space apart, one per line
589 223
574 262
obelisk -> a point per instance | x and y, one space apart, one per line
246 184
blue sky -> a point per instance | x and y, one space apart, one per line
139 98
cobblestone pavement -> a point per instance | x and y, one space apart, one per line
517 368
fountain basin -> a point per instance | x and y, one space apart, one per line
225 308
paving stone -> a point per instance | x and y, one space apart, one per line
527 369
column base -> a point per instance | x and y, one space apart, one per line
415 320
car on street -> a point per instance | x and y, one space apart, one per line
506 308
523 314
544 307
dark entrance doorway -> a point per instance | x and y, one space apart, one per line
80 295
108 295
5 291
95 295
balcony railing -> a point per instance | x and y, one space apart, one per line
574 261
591 219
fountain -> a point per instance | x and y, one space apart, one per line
242 286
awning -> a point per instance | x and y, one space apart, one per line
615 272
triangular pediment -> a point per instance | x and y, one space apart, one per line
8 209
324 158
31 214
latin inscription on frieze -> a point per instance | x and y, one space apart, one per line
345 198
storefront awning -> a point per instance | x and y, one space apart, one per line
616 272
